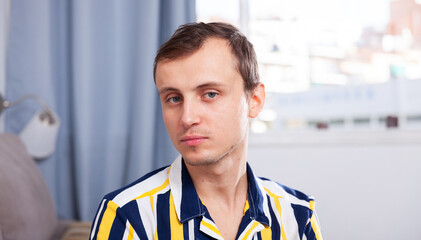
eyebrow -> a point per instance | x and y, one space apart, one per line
204 85
167 89
210 84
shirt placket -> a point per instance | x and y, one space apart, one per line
208 227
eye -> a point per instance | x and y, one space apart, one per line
211 95
174 99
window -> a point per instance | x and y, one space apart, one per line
332 64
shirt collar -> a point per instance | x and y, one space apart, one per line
187 202
258 202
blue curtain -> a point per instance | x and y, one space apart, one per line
92 61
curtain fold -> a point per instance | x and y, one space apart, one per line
92 62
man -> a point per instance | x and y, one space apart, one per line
208 83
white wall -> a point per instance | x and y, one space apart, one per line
366 184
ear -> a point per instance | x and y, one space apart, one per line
256 100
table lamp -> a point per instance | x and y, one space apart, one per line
40 134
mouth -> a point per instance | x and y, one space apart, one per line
193 140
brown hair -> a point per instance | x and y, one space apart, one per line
188 38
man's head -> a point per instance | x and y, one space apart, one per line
206 104
188 38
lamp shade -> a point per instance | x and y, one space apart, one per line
40 135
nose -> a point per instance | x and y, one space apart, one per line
190 114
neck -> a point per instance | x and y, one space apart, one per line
222 182
222 187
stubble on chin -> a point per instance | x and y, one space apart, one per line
207 160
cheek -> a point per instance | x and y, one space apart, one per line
241 111
170 120
232 119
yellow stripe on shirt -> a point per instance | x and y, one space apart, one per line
152 203
176 225
272 194
314 223
255 224
156 234
246 207
315 226
312 205
131 233
279 208
151 200
266 233
155 190
107 221
211 227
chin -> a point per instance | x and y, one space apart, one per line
200 163
194 159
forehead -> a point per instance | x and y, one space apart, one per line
212 61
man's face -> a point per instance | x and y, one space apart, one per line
204 105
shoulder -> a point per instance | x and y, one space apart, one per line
124 208
293 204
296 197
150 184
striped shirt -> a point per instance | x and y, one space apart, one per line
165 205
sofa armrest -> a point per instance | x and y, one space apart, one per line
77 231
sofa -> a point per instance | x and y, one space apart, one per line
27 210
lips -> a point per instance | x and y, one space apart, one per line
193 140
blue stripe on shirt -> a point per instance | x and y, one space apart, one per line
163 216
